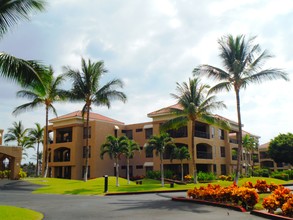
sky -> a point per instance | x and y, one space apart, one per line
151 45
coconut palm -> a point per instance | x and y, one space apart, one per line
11 67
86 87
114 147
247 144
37 135
129 148
242 60
18 134
26 143
43 95
194 104
181 153
160 143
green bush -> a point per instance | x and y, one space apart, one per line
6 174
168 174
153 174
22 174
202 176
261 172
290 173
280 175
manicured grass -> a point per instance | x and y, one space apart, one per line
15 213
96 186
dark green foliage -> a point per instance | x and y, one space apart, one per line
202 176
156 175
261 172
280 175
281 148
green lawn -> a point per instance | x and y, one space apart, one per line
96 186
16 213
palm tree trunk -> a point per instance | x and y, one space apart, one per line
182 171
238 167
46 144
128 182
117 172
37 167
162 170
193 153
87 144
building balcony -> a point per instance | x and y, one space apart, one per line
204 155
202 134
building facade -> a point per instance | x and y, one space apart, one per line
215 148
269 163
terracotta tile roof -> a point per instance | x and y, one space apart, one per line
165 110
93 116
264 146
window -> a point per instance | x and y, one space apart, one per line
221 134
148 133
213 132
177 133
84 152
138 130
223 152
128 133
123 167
223 169
64 135
85 132
139 167
149 153
215 168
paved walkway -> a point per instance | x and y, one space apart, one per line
142 207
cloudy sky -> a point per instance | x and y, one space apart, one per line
151 45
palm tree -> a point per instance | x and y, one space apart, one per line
160 143
14 11
242 60
43 95
19 134
194 104
129 147
181 153
26 143
37 136
247 144
86 87
11 67
114 147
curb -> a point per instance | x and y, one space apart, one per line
233 207
269 215
143 192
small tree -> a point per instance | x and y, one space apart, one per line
181 153
160 143
281 148
129 147
114 148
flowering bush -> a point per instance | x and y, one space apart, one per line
244 196
278 199
248 185
225 178
273 187
261 186
287 207
188 178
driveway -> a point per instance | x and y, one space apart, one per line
142 207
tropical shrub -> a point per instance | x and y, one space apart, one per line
261 186
280 175
6 174
188 178
290 173
287 208
202 176
22 174
225 178
261 172
169 174
278 199
243 196
153 174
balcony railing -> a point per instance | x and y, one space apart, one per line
204 155
234 157
202 134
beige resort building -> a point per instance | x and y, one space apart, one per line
215 149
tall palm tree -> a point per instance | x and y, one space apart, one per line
86 87
114 147
26 143
43 95
195 104
181 153
247 144
18 134
160 143
37 136
11 12
242 60
129 148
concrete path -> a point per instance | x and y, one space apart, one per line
142 207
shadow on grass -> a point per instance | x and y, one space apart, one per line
81 191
